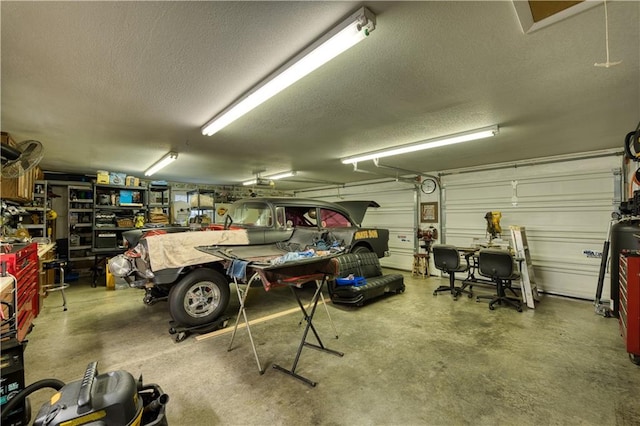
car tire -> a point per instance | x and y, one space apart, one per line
199 298
360 249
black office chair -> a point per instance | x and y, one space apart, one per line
447 259
499 266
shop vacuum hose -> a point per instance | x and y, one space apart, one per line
20 396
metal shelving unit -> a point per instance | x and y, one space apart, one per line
80 221
202 206
38 225
159 198
109 202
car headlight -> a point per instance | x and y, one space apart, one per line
121 266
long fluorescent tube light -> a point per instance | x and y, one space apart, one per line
282 175
348 33
163 162
265 179
425 144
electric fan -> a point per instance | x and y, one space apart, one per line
16 161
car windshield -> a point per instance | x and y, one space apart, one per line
251 213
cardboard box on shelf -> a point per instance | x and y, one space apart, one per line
117 178
102 176
132 181
126 197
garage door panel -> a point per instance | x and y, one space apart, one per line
564 252
575 219
480 193
581 284
575 188
395 214
565 207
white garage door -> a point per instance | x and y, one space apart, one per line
397 213
565 207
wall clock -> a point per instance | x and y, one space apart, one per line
428 186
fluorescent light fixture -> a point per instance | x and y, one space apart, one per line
267 180
282 175
168 158
425 144
258 182
348 33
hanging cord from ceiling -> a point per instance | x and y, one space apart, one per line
514 187
606 29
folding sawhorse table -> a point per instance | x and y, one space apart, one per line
293 274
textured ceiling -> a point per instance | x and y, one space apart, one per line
115 85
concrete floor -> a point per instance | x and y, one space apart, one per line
410 359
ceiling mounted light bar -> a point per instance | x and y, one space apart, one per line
268 179
282 175
425 144
253 181
168 158
348 33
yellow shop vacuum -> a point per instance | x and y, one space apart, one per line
113 398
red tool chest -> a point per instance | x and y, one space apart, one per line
629 314
22 263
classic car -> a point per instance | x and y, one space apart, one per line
166 263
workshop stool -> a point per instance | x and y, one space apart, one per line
420 264
58 264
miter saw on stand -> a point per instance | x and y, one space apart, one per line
493 236
494 230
